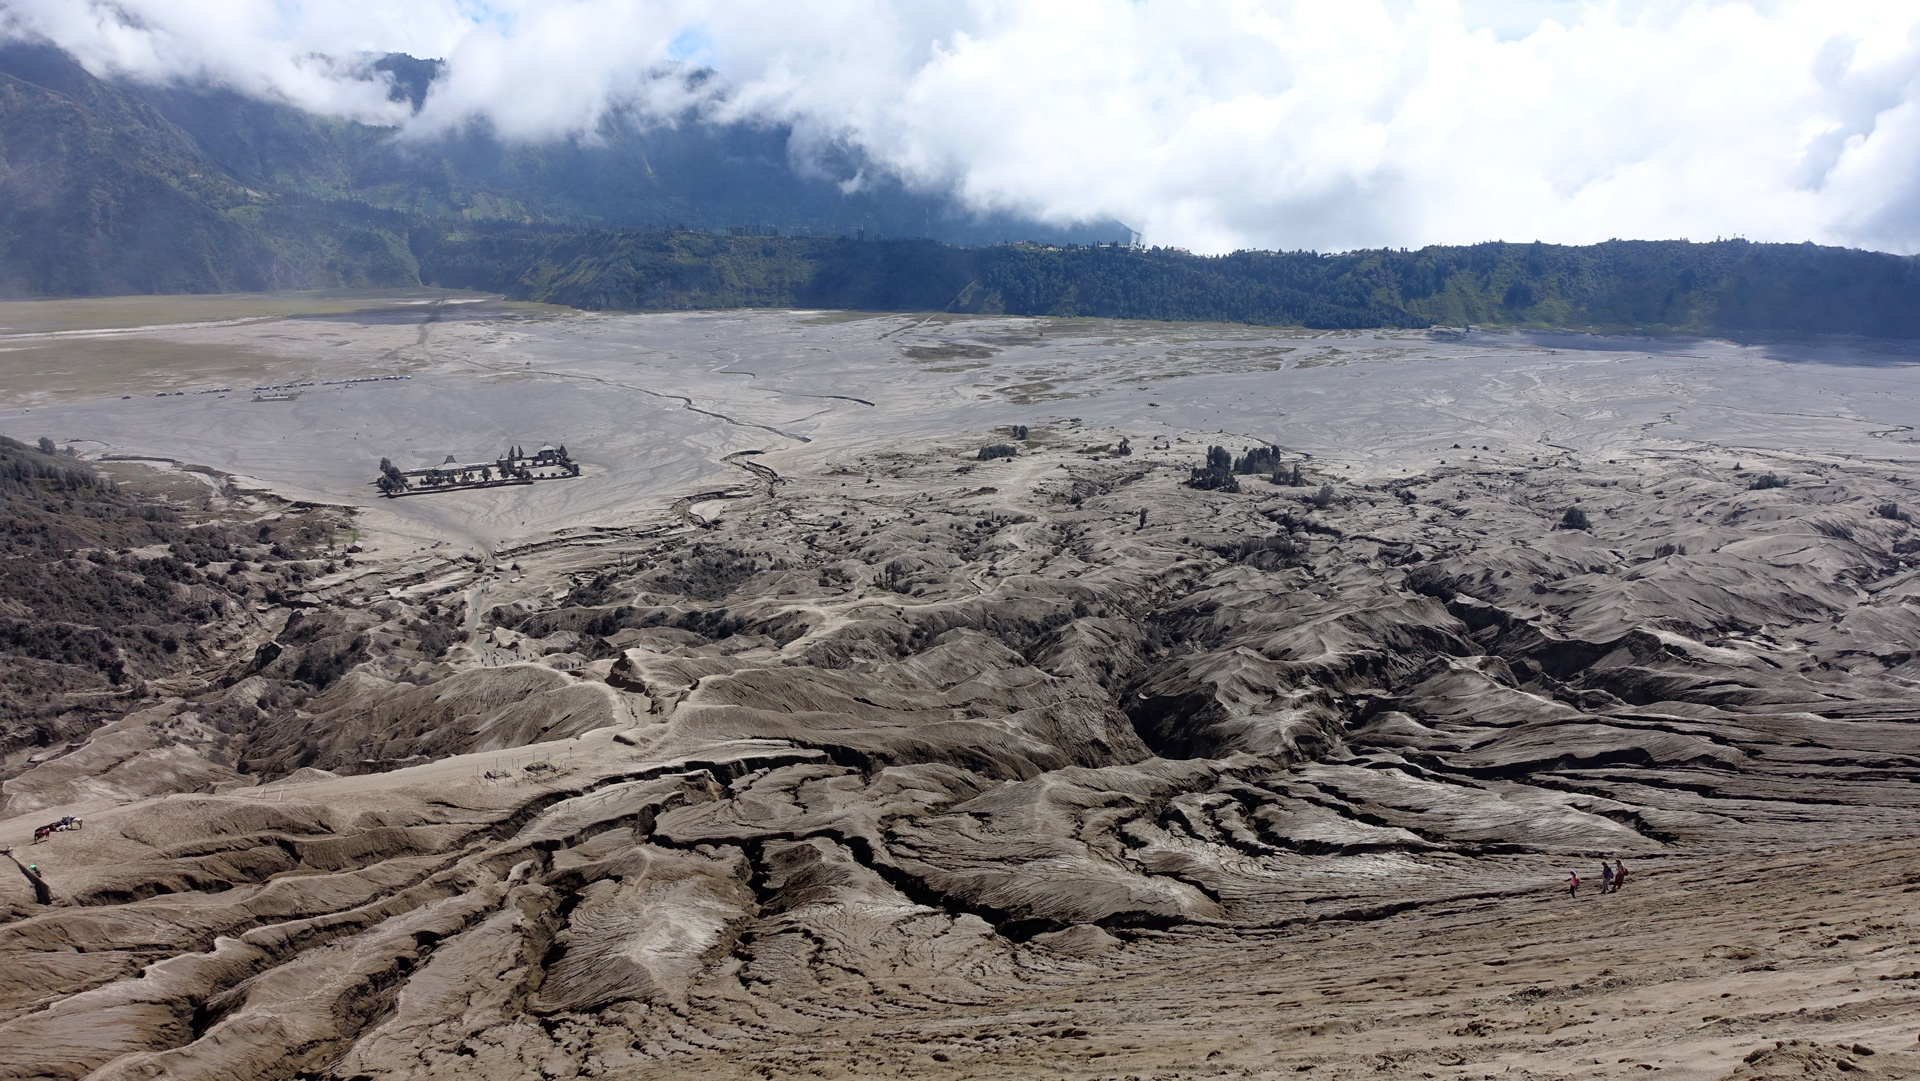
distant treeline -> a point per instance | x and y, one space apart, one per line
1726 287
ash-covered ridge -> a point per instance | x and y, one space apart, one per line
914 736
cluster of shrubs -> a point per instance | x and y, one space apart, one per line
435 638
707 574
392 481
1216 475
1288 478
85 612
594 591
105 615
1266 459
1269 553
892 577
1292 522
319 668
1258 460
603 623
53 502
61 643
24 469
315 647
1221 468
998 450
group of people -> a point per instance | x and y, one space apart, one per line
1611 878
41 833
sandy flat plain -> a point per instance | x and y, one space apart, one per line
652 402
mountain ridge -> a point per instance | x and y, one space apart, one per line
113 187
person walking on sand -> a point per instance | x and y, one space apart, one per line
1619 875
1606 877
1573 883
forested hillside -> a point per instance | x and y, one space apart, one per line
120 187
1727 287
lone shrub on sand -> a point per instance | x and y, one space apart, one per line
1575 518
1323 498
1765 481
998 450
893 577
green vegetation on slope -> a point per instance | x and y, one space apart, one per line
103 588
1726 287
101 194
117 187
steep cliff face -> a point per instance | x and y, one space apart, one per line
101 194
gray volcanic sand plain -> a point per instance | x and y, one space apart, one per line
652 402
862 756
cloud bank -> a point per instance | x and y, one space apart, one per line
1209 124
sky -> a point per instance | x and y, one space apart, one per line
1212 125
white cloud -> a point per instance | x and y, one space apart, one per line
1212 124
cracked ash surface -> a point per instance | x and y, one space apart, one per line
879 759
